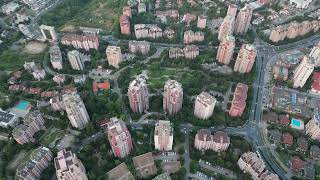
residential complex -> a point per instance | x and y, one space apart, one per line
119 138
32 123
56 57
142 47
217 142
313 127
204 105
172 97
163 136
249 162
138 95
243 20
37 161
188 52
246 58
86 42
76 110
147 31
226 49
238 103
114 56
303 72
192 37
68 166
145 165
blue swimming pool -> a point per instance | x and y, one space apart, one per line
295 122
23 105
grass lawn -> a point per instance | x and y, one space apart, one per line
51 137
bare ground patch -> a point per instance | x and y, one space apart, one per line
34 47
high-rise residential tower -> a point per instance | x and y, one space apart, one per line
226 27
119 138
313 127
246 58
163 136
75 60
243 20
76 110
172 97
204 105
138 95
303 72
226 49
114 55
68 166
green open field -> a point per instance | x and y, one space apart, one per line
51 137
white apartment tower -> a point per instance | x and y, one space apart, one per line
69 167
138 95
315 54
114 56
204 105
303 72
76 110
75 60
172 97
163 136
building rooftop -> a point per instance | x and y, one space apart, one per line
284 120
120 172
287 139
296 163
143 160
206 99
6 116
303 143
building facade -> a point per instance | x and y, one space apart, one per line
313 127
315 54
138 95
302 72
245 59
163 136
76 110
191 37
32 168
142 47
68 166
202 22
238 103
204 105
86 42
249 162
226 27
114 56
119 138
217 142
172 97
75 61
125 25
226 49
243 20
56 57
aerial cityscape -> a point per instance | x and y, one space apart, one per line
160 89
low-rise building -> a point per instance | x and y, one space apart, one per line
7 119
217 142
287 139
120 172
145 165
280 73
296 164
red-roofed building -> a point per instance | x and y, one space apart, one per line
284 120
287 139
296 164
68 89
316 83
100 86
239 100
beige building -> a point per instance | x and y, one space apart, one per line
120 172
114 56
86 42
243 20
226 49
163 136
191 37
76 110
138 95
202 22
188 52
204 105
249 162
313 127
147 31
303 72
68 166
172 97
226 27
142 47
246 58
125 25
218 142
232 10
126 10
55 57
145 165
